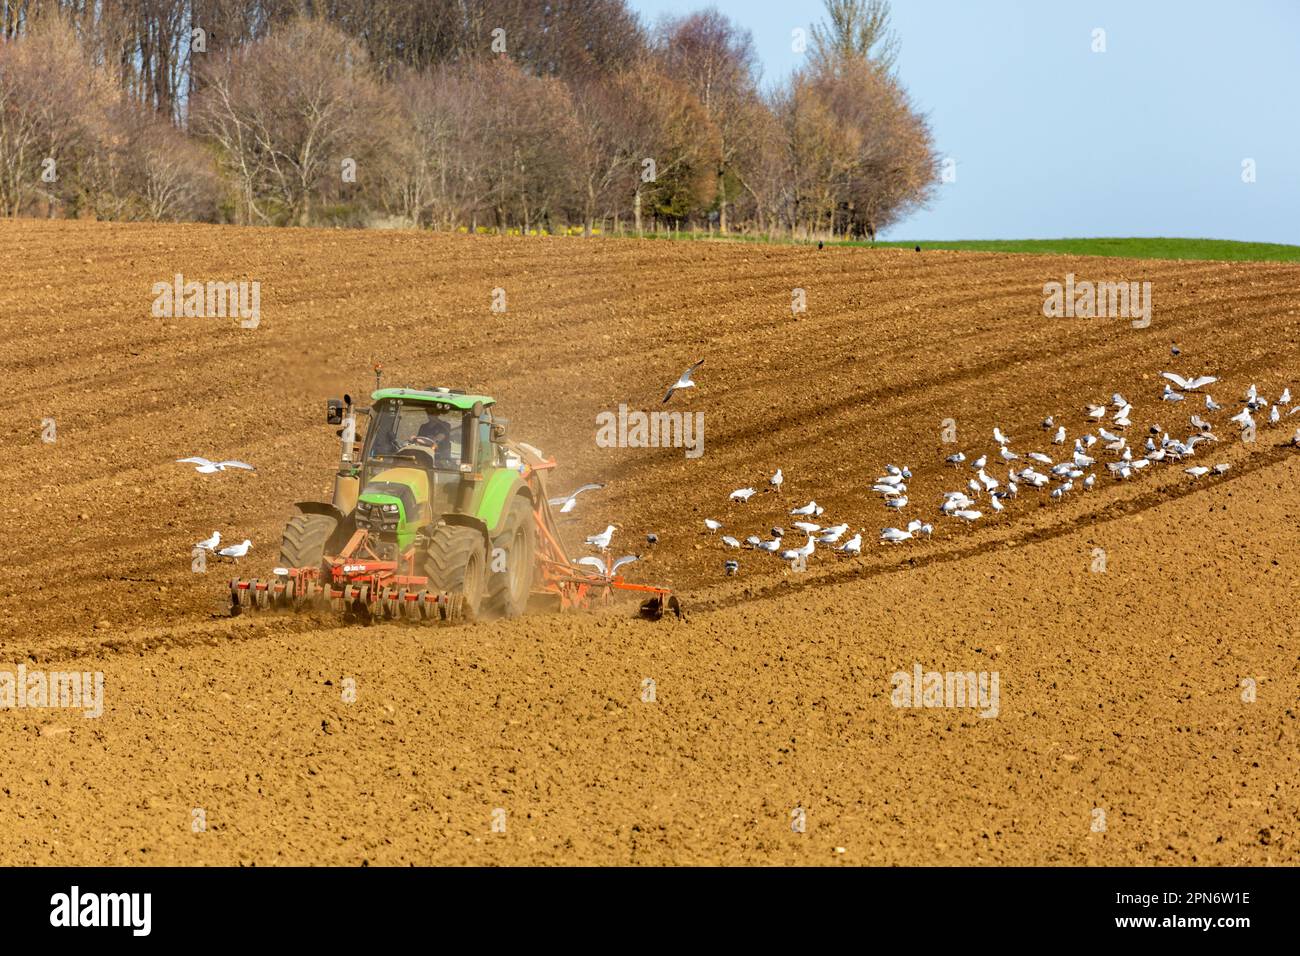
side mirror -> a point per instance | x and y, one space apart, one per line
334 412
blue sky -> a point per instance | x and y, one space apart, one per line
1051 139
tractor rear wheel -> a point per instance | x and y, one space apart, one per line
305 538
453 562
510 580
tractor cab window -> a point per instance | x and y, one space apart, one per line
417 425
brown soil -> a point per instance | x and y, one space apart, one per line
1119 691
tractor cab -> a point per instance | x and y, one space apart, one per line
424 455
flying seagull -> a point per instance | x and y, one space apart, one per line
205 467
566 502
1190 384
592 561
684 381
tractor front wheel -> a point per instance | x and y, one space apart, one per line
304 541
453 562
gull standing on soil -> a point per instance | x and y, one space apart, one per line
601 541
711 524
776 480
809 509
205 467
566 502
894 536
684 381
236 551
805 552
210 544
742 494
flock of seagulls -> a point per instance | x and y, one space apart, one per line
1108 445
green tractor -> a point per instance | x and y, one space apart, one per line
438 516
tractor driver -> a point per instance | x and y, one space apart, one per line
435 433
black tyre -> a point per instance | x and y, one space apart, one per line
454 562
509 587
305 539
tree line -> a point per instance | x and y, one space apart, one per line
522 115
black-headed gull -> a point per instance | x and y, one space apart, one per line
805 552
592 561
684 381
205 467
1189 384
236 551
566 502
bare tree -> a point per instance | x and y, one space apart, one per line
716 61
286 111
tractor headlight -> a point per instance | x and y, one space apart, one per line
377 517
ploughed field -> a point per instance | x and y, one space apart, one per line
1142 634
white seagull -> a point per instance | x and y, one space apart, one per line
598 563
205 467
684 381
601 541
809 509
1190 384
567 502
776 480
711 524
852 546
210 544
236 551
742 494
